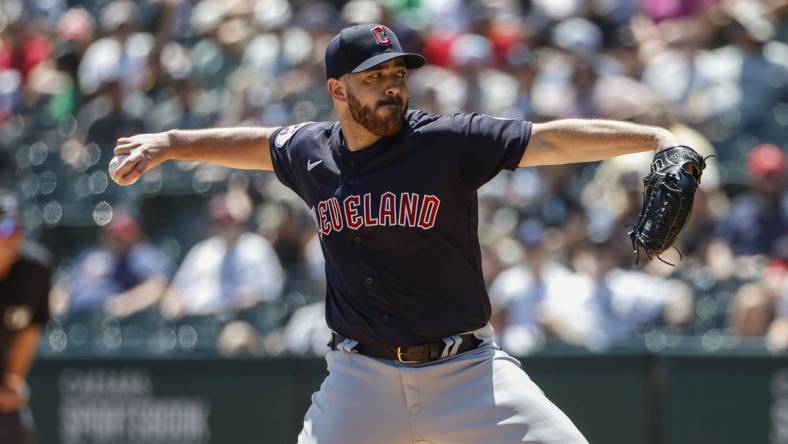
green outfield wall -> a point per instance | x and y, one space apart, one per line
614 398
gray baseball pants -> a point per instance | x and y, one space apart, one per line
478 397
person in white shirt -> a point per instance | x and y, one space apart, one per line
232 270
521 295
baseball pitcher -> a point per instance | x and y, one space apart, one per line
393 193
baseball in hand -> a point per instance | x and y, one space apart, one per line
115 163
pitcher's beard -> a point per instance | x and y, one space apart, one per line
379 126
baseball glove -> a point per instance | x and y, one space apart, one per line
669 190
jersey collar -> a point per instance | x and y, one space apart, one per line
340 150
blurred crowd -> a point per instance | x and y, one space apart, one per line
197 258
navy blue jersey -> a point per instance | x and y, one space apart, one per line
398 220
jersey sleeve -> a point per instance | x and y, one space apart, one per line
488 145
283 145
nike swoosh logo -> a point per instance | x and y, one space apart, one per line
310 165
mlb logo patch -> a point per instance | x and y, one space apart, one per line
286 134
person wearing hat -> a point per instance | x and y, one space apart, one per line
759 217
393 195
24 310
754 226
124 274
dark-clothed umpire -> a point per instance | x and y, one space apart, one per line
24 309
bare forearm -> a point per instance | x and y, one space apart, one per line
582 140
244 148
22 350
142 296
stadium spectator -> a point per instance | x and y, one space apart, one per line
749 31
608 302
228 283
54 81
759 217
306 330
234 269
520 294
22 47
122 54
122 276
775 279
108 118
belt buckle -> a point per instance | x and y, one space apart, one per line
399 357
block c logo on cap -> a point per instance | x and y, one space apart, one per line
380 35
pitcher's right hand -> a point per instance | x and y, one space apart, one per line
136 155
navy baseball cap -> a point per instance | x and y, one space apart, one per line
361 47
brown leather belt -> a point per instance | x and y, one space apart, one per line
410 354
